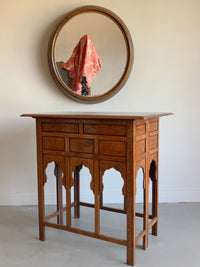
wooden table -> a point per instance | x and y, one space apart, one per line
99 141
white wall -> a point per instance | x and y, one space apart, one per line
165 77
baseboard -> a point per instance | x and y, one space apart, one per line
164 197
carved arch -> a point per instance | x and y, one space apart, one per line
152 171
119 166
74 162
59 161
140 164
143 172
153 163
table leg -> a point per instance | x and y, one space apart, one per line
130 228
130 195
41 210
101 199
58 174
154 177
68 193
97 197
155 207
146 211
77 191
125 204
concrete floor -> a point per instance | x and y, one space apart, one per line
178 243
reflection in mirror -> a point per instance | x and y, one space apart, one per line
83 65
81 41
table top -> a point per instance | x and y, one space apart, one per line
98 115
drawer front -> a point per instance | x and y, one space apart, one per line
117 130
53 143
81 145
112 148
60 127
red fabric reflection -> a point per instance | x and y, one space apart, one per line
84 61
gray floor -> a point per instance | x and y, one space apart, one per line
178 243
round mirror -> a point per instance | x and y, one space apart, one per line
91 54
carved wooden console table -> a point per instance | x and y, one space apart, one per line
99 141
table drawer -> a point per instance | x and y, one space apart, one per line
60 127
112 148
99 129
53 143
81 145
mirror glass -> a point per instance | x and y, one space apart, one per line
109 44
91 53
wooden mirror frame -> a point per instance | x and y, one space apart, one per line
129 62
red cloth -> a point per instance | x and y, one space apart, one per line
84 61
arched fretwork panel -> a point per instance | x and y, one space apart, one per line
140 186
118 166
82 185
140 196
58 161
112 196
152 171
152 181
150 195
112 187
54 189
50 184
153 189
76 162
82 193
